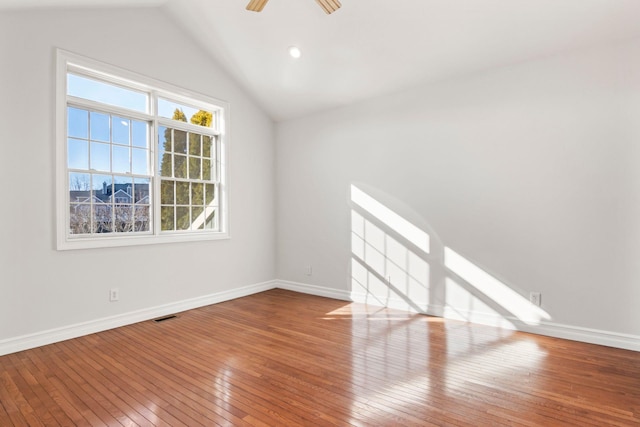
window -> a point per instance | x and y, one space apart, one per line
138 161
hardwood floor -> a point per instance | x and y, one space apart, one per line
281 358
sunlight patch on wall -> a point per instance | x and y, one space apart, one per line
490 287
391 219
368 288
463 305
385 271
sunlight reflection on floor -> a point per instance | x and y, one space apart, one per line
393 369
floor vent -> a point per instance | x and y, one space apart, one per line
162 319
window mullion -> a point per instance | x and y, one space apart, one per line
156 202
187 127
187 161
216 161
72 101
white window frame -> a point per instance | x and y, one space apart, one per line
70 62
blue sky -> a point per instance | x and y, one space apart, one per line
107 143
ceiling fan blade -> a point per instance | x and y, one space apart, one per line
256 5
329 6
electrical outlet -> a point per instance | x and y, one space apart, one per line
535 298
114 294
308 270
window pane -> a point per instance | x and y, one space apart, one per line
207 146
206 169
179 166
166 165
197 215
102 212
123 217
99 126
197 194
141 215
164 139
80 218
185 113
80 207
140 161
210 219
179 141
183 220
77 123
167 220
182 193
210 193
141 191
106 93
120 130
102 218
101 188
122 190
195 145
194 168
100 156
167 192
120 159
77 154
79 185
173 111
140 134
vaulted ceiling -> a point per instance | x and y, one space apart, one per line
374 47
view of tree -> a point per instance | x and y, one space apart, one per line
202 118
187 156
80 219
79 182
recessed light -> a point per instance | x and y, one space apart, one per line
295 52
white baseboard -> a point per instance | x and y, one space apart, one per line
593 336
26 342
320 291
552 329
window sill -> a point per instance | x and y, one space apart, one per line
65 244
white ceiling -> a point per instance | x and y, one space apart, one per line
32 4
373 47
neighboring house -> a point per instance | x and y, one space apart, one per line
116 194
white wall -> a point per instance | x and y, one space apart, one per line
43 289
530 172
